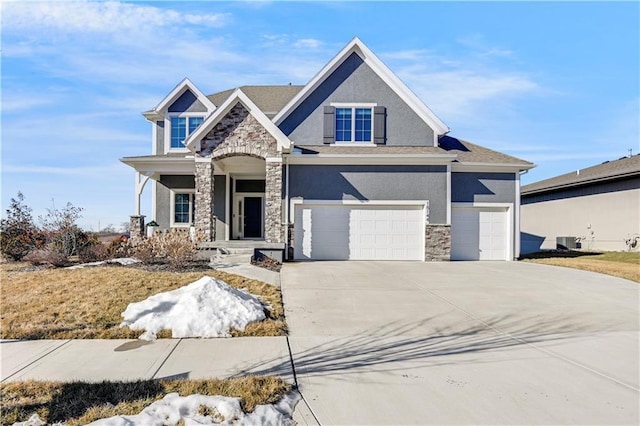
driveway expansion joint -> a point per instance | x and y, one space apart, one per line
295 381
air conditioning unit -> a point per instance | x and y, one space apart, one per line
566 243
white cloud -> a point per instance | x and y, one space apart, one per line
307 43
98 17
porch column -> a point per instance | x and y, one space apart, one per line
204 221
273 201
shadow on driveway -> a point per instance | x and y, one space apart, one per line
399 346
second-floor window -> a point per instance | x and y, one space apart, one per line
181 128
354 124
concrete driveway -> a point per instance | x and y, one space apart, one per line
463 343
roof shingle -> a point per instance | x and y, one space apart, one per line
609 170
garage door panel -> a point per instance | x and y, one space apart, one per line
479 233
347 232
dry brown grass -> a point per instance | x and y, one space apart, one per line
79 403
87 303
621 264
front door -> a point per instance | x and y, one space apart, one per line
252 217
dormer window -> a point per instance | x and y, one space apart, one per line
182 127
354 123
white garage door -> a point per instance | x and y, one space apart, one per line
358 232
479 233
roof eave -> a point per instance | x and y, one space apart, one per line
463 166
585 182
370 159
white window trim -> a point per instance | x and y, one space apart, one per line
167 129
172 216
353 107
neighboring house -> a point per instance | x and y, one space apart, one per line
600 206
350 166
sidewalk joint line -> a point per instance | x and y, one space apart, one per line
36 360
295 380
153 376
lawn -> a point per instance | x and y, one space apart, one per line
79 403
619 264
86 303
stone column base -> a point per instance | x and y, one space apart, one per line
136 226
437 245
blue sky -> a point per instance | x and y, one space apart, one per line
553 83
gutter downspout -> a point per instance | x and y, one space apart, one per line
286 209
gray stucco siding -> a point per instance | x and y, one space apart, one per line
355 82
187 102
377 183
220 205
483 187
159 137
163 195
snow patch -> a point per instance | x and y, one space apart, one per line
124 261
202 410
205 308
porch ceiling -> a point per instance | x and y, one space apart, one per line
241 165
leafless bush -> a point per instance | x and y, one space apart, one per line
94 253
47 256
173 247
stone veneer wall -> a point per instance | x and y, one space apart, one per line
204 220
273 201
240 133
437 242
136 226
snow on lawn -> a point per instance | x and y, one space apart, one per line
200 410
124 261
205 308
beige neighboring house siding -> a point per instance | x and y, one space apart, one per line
611 216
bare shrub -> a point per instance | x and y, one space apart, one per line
145 250
47 256
94 253
173 247
177 248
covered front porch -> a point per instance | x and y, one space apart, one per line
251 198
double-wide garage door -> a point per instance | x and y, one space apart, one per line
358 232
479 233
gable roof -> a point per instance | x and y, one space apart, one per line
237 96
625 167
358 47
186 84
270 99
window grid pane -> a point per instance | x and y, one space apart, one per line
343 124
178 131
363 125
194 122
182 208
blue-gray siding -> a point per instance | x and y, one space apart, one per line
483 187
163 198
373 183
187 102
355 82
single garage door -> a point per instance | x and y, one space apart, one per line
358 232
479 233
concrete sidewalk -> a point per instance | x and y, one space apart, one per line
96 360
